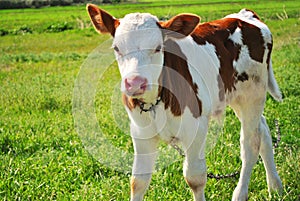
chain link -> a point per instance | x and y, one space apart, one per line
178 149
220 176
276 143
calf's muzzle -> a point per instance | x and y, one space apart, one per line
135 85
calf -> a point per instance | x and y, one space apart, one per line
178 74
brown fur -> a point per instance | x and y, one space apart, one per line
253 38
103 22
177 89
270 46
217 33
135 185
180 25
254 14
195 186
131 103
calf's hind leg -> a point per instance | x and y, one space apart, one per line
266 152
249 114
255 139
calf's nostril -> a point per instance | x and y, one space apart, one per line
127 84
143 85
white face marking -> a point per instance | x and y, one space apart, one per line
138 46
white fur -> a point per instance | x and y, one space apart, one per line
236 37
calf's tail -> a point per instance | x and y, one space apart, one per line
273 87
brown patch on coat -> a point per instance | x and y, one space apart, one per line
217 33
193 185
252 37
177 89
129 102
235 49
254 13
135 185
242 77
269 46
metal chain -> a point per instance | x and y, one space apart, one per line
220 176
151 108
276 144
233 174
178 149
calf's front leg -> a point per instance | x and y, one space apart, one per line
143 165
194 168
195 176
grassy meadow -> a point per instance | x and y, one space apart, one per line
43 158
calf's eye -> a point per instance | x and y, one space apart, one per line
157 49
116 49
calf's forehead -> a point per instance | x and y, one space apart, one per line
138 29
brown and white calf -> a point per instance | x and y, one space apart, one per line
178 74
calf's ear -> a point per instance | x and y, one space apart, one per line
181 25
102 21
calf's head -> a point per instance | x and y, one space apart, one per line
139 40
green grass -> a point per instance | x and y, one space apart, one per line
43 158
